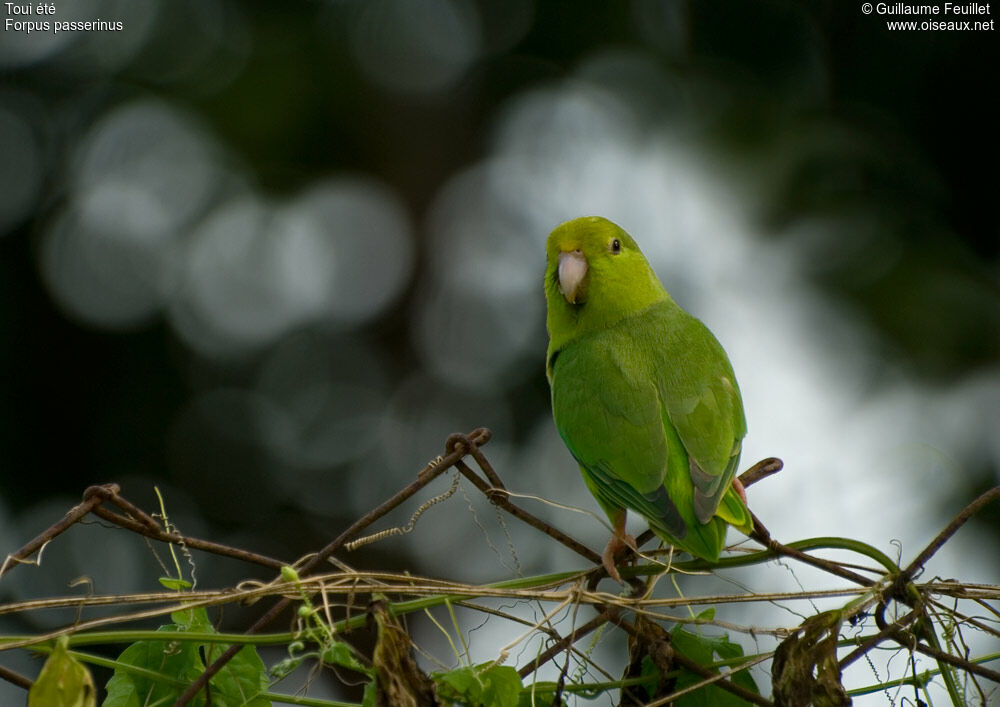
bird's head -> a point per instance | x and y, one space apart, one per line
595 275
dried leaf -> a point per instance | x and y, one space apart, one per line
400 682
805 670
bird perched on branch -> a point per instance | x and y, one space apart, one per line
643 394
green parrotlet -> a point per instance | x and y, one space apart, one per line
643 394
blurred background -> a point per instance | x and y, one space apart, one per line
268 256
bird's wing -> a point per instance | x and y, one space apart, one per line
702 401
609 413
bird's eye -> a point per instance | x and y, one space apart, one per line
616 246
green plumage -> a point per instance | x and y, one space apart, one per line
642 393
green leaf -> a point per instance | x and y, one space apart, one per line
485 685
459 683
503 686
175 584
179 663
193 620
370 698
650 676
242 680
340 653
703 650
63 681
284 668
174 659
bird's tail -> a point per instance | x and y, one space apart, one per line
706 540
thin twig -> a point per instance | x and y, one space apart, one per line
909 641
155 532
890 584
72 516
964 618
127 506
405 529
761 470
763 536
957 522
15 678
497 496
565 642
872 641
457 447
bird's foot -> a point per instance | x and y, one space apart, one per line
740 489
615 550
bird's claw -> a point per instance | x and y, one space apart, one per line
740 489
616 548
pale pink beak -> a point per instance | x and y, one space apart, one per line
572 271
